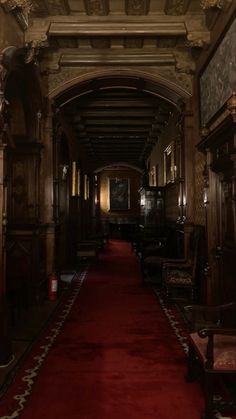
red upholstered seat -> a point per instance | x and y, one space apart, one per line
212 352
179 276
224 352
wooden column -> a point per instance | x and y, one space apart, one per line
47 188
2 220
188 163
5 335
212 268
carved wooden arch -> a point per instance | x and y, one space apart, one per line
130 78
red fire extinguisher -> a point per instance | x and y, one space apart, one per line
52 286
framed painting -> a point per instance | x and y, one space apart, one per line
169 163
119 194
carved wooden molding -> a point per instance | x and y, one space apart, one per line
116 57
115 29
198 39
20 9
219 4
33 48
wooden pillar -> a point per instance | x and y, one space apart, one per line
188 163
2 220
47 189
212 268
5 335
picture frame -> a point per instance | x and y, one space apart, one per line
169 163
119 194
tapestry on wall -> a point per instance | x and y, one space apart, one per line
218 79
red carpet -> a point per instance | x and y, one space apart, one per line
116 357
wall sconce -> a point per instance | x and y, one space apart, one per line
182 203
64 171
74 176
205 196
142 201
86 187
95 190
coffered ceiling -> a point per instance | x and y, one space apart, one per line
117 125
133 32
72 37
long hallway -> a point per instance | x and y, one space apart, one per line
116 355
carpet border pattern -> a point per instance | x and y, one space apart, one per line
29 378
174 322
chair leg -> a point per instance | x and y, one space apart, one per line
192 366
209 403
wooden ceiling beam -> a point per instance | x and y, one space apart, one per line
122 56
117 129
118 121
113 113
105 28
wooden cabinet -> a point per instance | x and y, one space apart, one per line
152 208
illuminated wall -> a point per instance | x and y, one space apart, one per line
135 184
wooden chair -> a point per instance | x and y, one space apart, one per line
155 253
182 274
212 352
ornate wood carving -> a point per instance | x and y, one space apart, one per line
20 9
97 7
137 7
209 4
33 48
